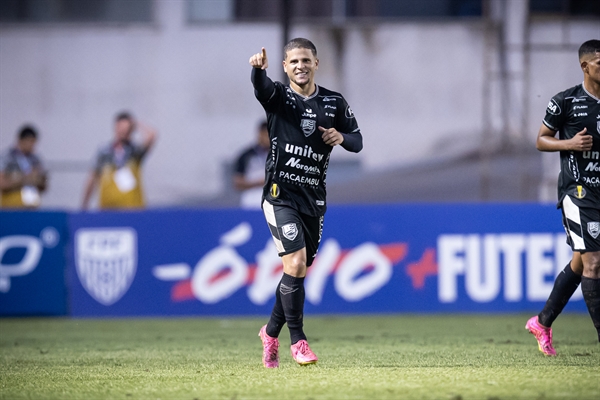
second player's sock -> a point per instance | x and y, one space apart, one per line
565 285
591 294
277 316
292 299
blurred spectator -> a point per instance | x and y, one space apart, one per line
22 176
118 167
249 170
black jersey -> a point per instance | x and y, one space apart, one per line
568 113
297 166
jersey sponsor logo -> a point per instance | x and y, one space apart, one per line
330 115
577 99
299 179
583 114
574 167
349 113
594 155
305 151
330 106
593 229
290 231
320 203
309 113
593 181
308 169
580 192
554 108
326 99
274 191
593 167
598 125
579 107
308 126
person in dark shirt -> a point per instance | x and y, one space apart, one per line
249 170
305 122
575 115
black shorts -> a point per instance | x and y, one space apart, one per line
292 230
582 225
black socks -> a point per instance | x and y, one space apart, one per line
591 294
289 307
564 286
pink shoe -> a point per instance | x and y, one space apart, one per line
302 354
542 334
270 349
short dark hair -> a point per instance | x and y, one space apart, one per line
589 47
299 43
27 131
123 115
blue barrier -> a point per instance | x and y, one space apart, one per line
388 258
32 263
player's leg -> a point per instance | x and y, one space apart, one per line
565 284
590 286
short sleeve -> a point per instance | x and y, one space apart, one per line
555 113
346 122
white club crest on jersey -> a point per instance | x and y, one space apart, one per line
290 231
106 261
308 126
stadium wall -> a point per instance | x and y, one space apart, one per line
418 89
373 259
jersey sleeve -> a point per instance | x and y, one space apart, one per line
555 113
347 125
266 91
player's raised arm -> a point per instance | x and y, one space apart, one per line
260 60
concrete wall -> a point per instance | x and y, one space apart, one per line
416 88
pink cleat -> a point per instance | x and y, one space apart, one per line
270 349
302 354
542 334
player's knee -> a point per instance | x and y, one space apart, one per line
591 265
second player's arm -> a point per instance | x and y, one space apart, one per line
547 141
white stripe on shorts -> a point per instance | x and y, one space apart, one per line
572 213
270 216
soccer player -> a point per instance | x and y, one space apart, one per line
305 122
575 115
118 167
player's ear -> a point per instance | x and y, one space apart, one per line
584 66
316 63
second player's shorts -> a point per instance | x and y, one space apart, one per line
292 230
582 225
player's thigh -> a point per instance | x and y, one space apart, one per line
286 228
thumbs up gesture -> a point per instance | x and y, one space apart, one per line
581 141
259 60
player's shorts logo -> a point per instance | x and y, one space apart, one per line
580 192
308 126
290 231
106 261
594 229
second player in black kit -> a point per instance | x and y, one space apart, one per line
305 121
575 115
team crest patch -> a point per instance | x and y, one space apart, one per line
308 126
106 261
290 231
594 229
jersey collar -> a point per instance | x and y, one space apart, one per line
588 93
304 97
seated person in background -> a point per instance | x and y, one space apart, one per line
249 170
22 177
118 167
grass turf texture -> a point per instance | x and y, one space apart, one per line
374 357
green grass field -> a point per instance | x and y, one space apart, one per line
376 357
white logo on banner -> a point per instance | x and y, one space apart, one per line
34 246
106 261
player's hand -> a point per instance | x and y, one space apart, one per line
581 141
331 136
259 60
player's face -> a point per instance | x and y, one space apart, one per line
300 66
27 145
591 67
123 129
